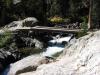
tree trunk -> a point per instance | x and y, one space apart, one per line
90 15
2 17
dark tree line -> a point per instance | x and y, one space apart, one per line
75 10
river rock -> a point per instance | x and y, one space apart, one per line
28 22
32 42
16 1
28 64
38 44
7 56
79 58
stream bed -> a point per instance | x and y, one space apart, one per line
56 45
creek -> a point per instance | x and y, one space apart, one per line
54 45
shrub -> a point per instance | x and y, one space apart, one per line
84 19
56 19
5 38
29 51
84 30
67 20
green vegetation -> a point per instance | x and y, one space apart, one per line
84 30
4 39
84 27
28 51
57 54
56 20
75 9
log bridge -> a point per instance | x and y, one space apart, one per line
42 29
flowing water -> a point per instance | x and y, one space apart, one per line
54 46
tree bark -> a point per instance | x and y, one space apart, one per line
2 17
90 26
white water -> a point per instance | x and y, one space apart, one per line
81 58
60 40
57 46
52 50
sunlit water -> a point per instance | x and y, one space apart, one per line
56 45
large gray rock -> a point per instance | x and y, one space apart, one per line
31 42
16 1
30 22
7 56
28 64
80 58
38 44
26 23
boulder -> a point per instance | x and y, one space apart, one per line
79 58
16 1
38 44
32 42
28 22
7 56
28 64
4 56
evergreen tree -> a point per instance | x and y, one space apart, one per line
43 9
54 8
5 8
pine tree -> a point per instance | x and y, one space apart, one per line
5 8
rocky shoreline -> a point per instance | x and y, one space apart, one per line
81 57
23 44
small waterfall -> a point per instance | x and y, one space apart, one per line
56 45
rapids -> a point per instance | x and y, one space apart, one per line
54 46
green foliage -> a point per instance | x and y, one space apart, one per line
67 20
8 3
75 6
96 13
84 27
33 8
57 54
43 9
56 19
55 8
28 51
84 19
4 39
84 30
